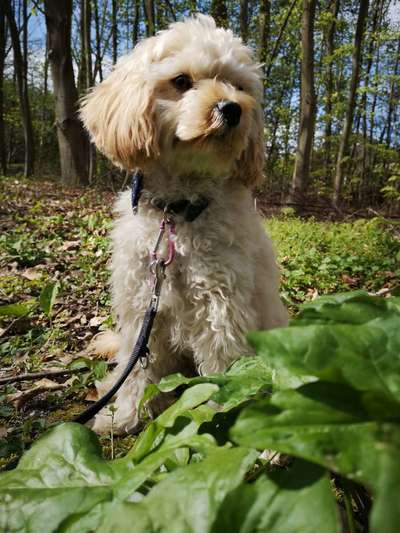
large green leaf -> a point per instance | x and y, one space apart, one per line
62 482
356 307
287 501
362 347
189 499
350 432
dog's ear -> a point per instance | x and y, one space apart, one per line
250 166
119 114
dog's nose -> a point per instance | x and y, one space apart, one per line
231 111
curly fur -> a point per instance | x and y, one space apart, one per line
224 281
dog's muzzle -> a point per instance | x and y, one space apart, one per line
230 111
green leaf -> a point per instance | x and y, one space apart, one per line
155 433
48 297
189 499
63 483
99 368
356 307
362 347
289 501
246 378
353 433
15 310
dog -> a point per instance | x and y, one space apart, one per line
185 108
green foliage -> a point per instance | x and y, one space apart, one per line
325 390
324 257
48 297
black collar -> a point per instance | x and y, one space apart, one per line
185 208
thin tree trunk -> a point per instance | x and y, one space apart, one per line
22 83
278 40
330 46
364 102
149 13
25 36
135 32
264 24
344 139
114 25
3 42
86 66
98 68
82 72
72 139
244 20
307 106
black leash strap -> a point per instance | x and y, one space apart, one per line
140 352
136 191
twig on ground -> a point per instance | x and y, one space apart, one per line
44 374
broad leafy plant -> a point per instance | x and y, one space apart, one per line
325 391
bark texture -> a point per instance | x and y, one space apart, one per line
307 106
72 139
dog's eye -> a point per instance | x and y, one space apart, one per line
240 88
182 82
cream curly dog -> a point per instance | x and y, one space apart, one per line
185 108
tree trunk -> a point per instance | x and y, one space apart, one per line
244 20
344 139
135 32
22 82
330 46
98 67
72 139
25 36
114 26
85 68
3 41
149 13
219 12
278 40
264 24
307 106
85 71
365 170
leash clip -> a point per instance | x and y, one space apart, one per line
167 222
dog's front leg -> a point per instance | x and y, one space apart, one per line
124 415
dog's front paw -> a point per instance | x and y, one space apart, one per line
109 420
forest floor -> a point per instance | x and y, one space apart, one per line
54 296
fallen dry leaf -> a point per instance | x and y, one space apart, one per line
32 273
92 395
70 245
350 281
96 321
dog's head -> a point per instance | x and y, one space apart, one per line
188 98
